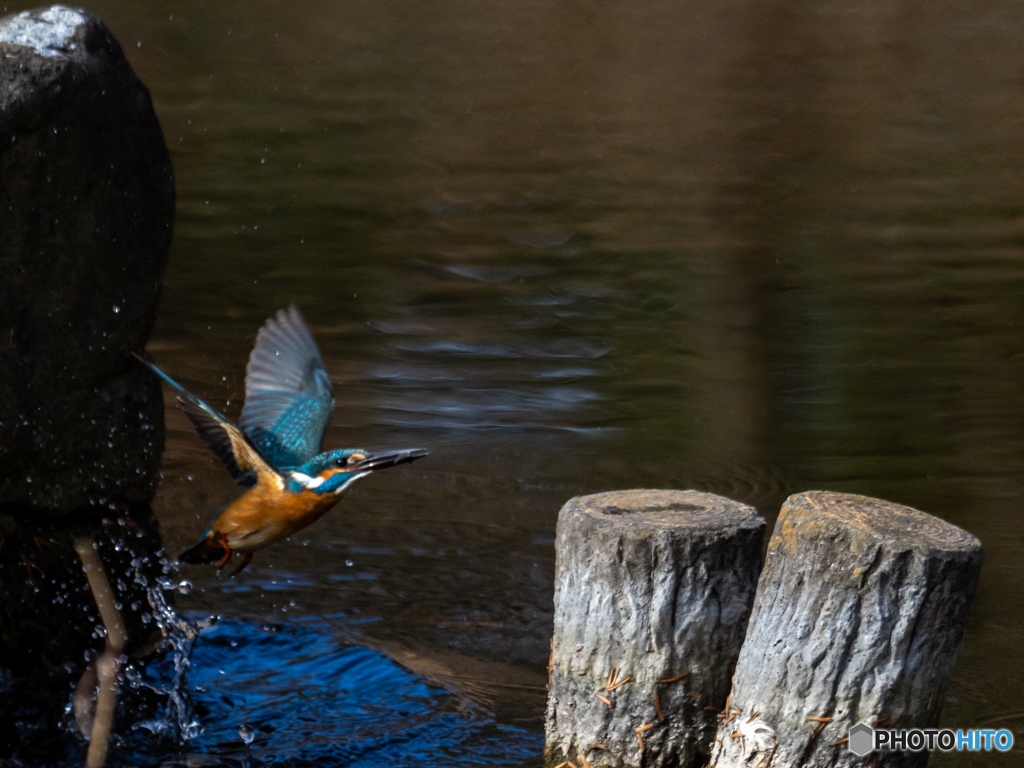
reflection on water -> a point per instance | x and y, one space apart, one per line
309 698
295 694
750 248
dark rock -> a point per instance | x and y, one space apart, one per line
38 563
49 623
86 210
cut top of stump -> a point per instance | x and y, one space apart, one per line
640 509
876 519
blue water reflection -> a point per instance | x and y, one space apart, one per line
311 699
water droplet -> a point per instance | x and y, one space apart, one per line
185 587
247 733
116 309
349 563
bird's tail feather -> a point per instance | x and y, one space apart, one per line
183 394
206 551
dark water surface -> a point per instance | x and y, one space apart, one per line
747 248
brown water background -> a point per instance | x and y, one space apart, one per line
749 248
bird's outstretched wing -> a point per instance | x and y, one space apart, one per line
288 396
227 441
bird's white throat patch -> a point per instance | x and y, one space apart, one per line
306 481
312 483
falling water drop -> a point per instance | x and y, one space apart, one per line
247 733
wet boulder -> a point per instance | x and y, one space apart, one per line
86 210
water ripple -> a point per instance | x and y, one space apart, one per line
310 699
557 348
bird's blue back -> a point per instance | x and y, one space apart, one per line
288 397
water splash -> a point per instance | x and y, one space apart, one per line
176 720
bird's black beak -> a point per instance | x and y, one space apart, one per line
386 459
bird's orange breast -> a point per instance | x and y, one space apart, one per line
266 513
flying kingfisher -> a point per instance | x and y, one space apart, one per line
274 450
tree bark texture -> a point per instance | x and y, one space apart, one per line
653 590
859 615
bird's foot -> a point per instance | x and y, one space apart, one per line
221 539
246 559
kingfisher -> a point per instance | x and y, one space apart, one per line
274 450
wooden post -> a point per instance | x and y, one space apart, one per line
653 590
858 618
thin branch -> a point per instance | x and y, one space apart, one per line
108 664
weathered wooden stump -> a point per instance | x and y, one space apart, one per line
858 618
652 594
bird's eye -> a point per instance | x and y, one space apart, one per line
342 461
